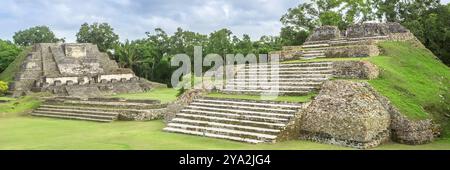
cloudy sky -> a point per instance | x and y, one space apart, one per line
132 18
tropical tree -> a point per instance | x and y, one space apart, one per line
100 34
38 34
8 52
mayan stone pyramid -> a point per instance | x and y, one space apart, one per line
74 70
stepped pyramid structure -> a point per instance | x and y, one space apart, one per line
74 70
344 112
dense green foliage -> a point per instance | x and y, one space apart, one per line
3 88
150 57
100 34
8 74
38 34
8 52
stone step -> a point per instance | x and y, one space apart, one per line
283 76
235 115
258 92
243 111
223 131
312 57
206 134
314 51
73 116
282 79
313 54
368 38
306 64
321 68
83 103
241 107
89 108
261 87
316 45
268 72
225 126
87 112
265 104
260 83
233 121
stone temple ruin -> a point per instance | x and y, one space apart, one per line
74 70
344 112
80 76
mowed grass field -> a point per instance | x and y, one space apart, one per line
26 132
21 131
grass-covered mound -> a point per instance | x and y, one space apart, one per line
8 74
413 79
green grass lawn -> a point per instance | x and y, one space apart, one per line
20 131
26 132
413 80
299 99
165 95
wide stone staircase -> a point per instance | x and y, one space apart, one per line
285 79
240 120
92 109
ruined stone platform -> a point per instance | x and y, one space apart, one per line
100 109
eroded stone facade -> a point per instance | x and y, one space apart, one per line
75 70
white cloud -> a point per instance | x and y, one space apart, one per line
131 19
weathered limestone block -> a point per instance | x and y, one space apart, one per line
374 29
75 50
395 27
143 115
367 30
407 131
346 113
352 51
355 70
325 33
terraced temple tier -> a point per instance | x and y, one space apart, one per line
286 79
98 109
241 120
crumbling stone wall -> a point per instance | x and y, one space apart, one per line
355 70
352 51
407 131
325 33
374 29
